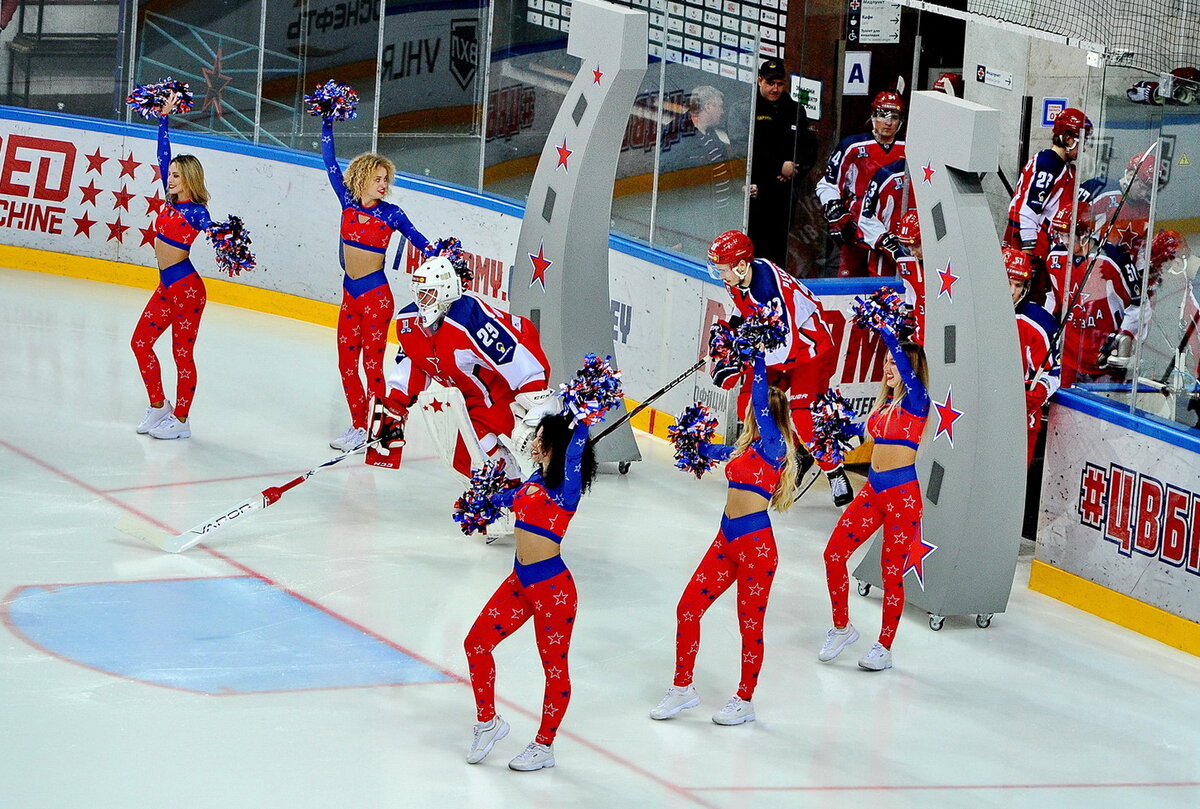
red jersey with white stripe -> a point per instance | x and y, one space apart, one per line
852 166
912 273
1131 225
488 354
1036 330
887 197
1046 181
808 333
1098 310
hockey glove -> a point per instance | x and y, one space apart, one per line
725 375
890 244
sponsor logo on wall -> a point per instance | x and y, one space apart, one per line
464 50
36 174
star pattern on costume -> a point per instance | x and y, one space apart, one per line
116 230
128 167
84 225
948 281
122 198
90 192
916 559
540 265
947 416
215 83
597 74
96 162
929 172
564 154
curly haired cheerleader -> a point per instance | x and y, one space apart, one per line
761 473
178 300
891 498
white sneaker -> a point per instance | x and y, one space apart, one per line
836 640
677 699
353 438
486 736
877 658
171 427
154 416
736 712
534 757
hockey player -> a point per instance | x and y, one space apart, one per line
1130 220
803 365
1036 335
887 198
1065 261
911 269
848 172
1166 252
1046 181
492 359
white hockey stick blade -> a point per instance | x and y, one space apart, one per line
140 529
194 536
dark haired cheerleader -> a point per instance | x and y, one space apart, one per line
540 587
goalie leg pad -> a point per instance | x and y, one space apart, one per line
386 426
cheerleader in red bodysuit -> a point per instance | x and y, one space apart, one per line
761 473
367 304
540 587
891 498
178 300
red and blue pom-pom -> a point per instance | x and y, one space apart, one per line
594 391
147 100
333 102
832 414
729 346
883 309
694 428
231 243
451 248
474 511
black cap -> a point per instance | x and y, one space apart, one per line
771 69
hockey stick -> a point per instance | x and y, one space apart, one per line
267 497
651 398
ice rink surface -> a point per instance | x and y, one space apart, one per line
311 657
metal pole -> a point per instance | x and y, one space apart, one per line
262 44
378 76
485 94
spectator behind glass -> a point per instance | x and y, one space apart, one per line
783 152
710 149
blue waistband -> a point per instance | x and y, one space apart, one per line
899 442
174 243
882 481
539 571
750 487
357 287
537 529
734 527
176 272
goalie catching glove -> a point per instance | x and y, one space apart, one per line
529 409
385 433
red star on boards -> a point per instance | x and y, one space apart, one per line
128 167
84 225
947 416
948 280
122 198
96 162
157 174
563 154
116 230
148 235
540 265
154 204
90 192
929 172
916 559
597 75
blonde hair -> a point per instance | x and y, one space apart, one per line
785 490
920 366
192 174
362 170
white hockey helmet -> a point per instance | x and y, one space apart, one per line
435 285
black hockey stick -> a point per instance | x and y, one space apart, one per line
651 398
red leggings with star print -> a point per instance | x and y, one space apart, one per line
545 592
891 499
362 337
744 551
177 305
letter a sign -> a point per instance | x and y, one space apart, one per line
856 80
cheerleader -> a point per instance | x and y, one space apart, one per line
761 473
891 498
367 305
540 587
178 300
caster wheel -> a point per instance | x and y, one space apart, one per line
936 622
983 621
623 467
863 588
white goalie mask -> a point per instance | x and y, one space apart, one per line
435 285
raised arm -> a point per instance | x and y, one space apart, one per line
572 486
396 219
164 150
772 444
916 398
331 164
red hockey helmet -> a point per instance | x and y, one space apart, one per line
1167 246
1017 264
950 83
729 248
908 229
1142 167
888 100
1085 219
1072 122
